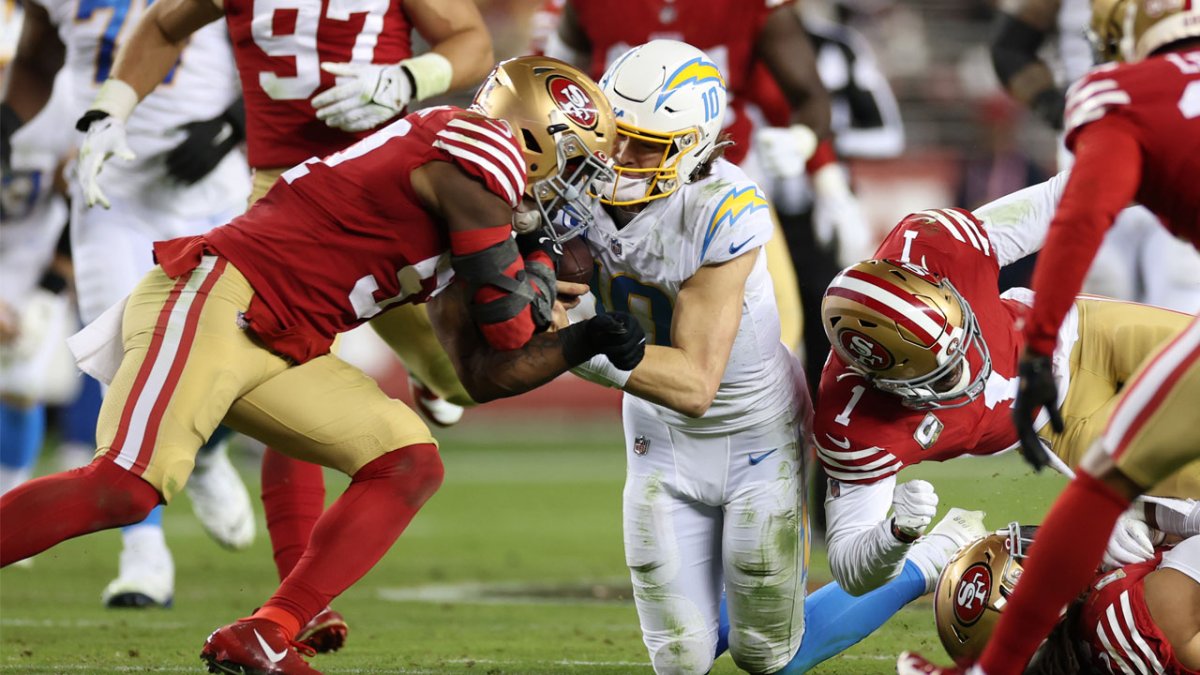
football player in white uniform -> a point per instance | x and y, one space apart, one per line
187 178
717 413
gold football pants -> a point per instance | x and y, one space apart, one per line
1152 433
1115 340
190 366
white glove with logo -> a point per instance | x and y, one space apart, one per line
105 138
914 504
365 95
784 150
838 216
1132 541
957 529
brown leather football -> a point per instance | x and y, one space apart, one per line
576 263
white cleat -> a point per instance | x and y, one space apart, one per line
220 500
434 408
955 530
147 572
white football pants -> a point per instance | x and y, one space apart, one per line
707 512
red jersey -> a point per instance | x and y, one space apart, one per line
1117 629
863 434
1135 131
725 29
279 46
339 240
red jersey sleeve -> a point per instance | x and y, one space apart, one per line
488 151
1103 181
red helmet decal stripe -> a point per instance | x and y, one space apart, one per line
903 295
889 312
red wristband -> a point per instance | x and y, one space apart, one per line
824 154
466 242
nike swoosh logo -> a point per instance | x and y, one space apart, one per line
735 248
272 655
843 444
755 459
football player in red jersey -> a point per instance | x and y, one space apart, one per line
925 369
1143 617
1135 130
316 77
237 324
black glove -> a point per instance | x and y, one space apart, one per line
531 243
206 145
1037 389
618 336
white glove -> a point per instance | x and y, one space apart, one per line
105 138
1131 541
935 549
914 504
364 96
784 150
838 216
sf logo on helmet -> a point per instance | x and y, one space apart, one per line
573 101
971 595
867 352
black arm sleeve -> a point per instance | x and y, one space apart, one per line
1014 46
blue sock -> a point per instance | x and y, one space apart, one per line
22 430
79 417
152 520
834 620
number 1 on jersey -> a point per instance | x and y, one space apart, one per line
843 418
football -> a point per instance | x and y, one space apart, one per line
576 264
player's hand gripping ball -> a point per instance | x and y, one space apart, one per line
575 264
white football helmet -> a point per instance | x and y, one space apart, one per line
664 93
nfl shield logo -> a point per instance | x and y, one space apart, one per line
614 245
641 445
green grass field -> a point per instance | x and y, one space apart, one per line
515 566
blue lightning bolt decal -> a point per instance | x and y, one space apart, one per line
735 204
695 71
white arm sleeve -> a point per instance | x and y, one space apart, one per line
601 371
1017 223
863 554
1185 557
1180 517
